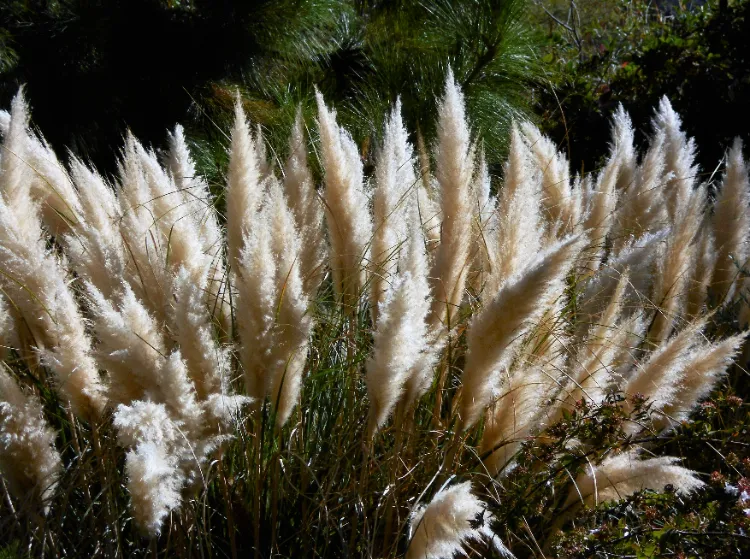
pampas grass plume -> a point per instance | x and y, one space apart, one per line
619 476
498 329
29 461
454 169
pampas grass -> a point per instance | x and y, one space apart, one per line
352 365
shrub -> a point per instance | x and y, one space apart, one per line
422 366
693 52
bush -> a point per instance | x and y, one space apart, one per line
416 368
694 55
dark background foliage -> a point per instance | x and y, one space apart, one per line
697 54
92 68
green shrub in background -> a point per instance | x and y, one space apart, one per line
634 52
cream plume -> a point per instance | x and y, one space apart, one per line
145 268
198 208
256 298
673 268
414 261
305 204
95 248
29 461
708 362
518 236
293 323
638 258
394 179
401 362
702 273
484 226
495 333
453 169
514 415
152 464
36 281
207 362
731 225
623 148
561 203
453 518
602 200
133 350
244 185
658 380
594 364
273 319
347 214
641 207
48 182
680 157
618 477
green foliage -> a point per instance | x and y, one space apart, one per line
694 54
152 63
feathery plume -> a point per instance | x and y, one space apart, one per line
484 224
307 209
658 380
673 267
623 148
394 177
618 477
4 122
680 156
95 248
29 461
517 240
13 168
638 258
641 208
514 415
261 150
706 365
454 517
595 361
35 280
52 187
397 366
207 362
495 333
45 178
731 225
244 185
256 299
152 464
454 169
145 268
347 214
562 204
429 206
602 200
702 273
198 209
414 262
133 350
293 324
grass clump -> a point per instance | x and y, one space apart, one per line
417 364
